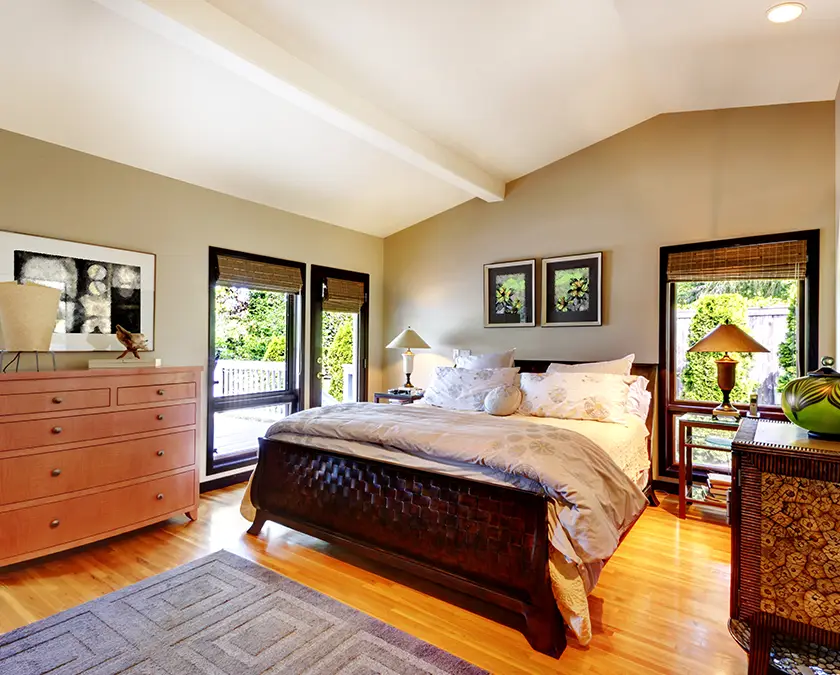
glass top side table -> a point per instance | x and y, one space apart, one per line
701 431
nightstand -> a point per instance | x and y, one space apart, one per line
702 432
404 399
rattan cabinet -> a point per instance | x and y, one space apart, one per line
785 541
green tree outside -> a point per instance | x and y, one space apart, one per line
699 377
762 292
276 350
247 321
340 354
787 349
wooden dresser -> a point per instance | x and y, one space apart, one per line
785 542
85 455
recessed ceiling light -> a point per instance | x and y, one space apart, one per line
787 11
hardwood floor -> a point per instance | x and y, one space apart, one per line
660 607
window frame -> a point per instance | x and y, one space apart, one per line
318 275
295 329
808 348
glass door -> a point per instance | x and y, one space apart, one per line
339 344
254 308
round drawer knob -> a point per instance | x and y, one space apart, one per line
58 400
160 453
159 496
56 430
161 392
55 523
55 473
160 417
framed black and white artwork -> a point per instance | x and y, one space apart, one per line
509 298
572 290
101 288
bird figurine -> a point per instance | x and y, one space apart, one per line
133 342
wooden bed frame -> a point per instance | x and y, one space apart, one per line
487 541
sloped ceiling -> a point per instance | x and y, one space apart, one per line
377 114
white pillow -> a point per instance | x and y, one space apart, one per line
620 366
601 397
503 401
462 389
481 361
638 399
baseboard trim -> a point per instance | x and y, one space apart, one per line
225 481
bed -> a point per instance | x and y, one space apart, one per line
475 529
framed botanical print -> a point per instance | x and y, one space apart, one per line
571 290
101 288
509 299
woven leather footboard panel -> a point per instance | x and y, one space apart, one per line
487 533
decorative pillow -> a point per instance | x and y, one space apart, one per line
638 398
503 401
481 361
462 389
618 367
601 397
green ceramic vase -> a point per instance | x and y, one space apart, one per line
813 402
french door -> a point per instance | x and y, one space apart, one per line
254 357
338 364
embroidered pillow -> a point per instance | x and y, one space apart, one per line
601 397
481 361
503 401
618 367
462 389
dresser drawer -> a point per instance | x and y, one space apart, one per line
55 401
46 432
56 473
155 393
43 527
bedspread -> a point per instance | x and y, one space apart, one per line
603 502
520 453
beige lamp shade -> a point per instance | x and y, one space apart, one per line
408 339
727 338
27 316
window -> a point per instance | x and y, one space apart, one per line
768 286
339 347
254 371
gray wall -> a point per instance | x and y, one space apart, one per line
677 178
55 192
837 195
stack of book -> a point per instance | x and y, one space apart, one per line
719 485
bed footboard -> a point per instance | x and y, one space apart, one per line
485 540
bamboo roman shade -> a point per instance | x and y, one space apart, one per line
258 275
775 260
342 295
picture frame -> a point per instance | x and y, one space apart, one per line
572 290
509 294
100 288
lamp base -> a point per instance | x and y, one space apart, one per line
726 381
408 384
725 410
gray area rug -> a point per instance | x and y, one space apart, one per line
219 615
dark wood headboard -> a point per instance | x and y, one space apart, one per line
647 370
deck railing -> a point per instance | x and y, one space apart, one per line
233 378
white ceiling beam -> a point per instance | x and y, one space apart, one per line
210 33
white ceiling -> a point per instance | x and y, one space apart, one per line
418 106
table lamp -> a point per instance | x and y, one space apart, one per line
726 338
406 340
